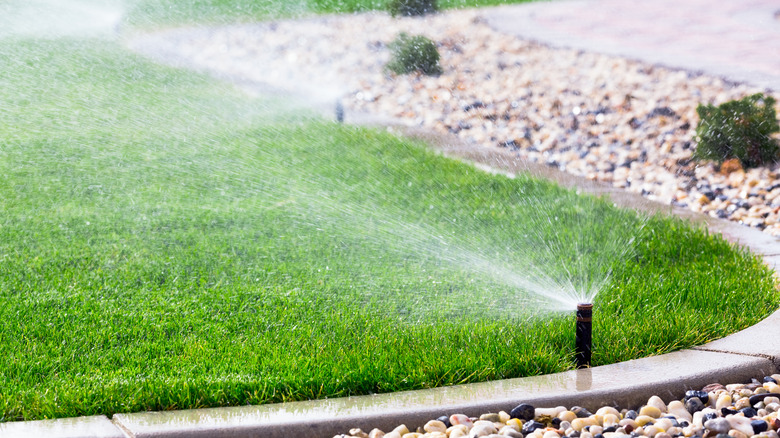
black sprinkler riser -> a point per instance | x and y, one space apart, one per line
583 336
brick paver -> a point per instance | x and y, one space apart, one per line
736 39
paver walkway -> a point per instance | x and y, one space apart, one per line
737 39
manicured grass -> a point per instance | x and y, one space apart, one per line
169 243
154 12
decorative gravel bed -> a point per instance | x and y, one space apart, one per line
715 411
609 119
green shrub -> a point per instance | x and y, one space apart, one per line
410 8
413 53
739 129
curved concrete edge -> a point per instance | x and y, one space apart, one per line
626 384
98 426
759 340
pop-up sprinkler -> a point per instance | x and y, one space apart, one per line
582 337
339 112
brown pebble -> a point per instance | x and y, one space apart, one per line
357 432
730 165
713 387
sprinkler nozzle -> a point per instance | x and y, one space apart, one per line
583 335
339 112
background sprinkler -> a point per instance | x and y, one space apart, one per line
339 112
583 338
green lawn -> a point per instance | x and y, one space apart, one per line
167 242
155 12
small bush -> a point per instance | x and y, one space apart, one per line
414 53
739 129
411 8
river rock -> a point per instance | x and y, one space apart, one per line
718 425
749 412
723 401
761 397
457 433
712 387
657 402
580 412
679 410
376 433
445 419
650 411
492 417
510 432
694 405
664 423
435 426
701 395
607 410
567 416
460 419
482 429
581 423
530 426
741 424
523 412
549 412
461 429
759 426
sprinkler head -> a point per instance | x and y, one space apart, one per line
583 337
339 112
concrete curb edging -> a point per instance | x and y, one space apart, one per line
667 375
626 384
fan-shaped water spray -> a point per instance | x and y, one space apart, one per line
561 257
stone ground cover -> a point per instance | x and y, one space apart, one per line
167 243
618 121
737 410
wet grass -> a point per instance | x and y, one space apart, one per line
168 243
155 12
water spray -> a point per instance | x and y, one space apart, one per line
583 338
